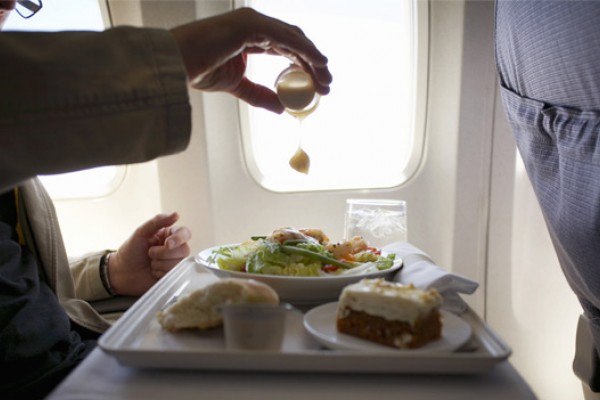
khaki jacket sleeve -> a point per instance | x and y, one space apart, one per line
74 100
86 277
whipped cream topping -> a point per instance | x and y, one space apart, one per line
389 300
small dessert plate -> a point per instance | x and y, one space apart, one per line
320 322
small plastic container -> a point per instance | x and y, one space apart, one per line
255 326
296 91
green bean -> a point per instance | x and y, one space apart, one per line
294 242
315 256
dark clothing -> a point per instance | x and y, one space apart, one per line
38 346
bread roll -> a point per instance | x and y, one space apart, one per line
198 309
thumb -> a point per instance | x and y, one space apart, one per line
258 96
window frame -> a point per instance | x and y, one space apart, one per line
419 120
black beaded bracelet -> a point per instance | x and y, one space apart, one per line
104 278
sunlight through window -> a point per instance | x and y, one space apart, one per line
368 132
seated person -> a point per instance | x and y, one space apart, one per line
75 100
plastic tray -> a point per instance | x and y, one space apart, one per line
137 340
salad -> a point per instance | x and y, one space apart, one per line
301 252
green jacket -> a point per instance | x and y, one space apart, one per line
76 100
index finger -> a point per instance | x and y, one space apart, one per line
320 73
290 41
178 237
279 34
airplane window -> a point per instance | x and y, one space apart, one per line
72 15
61 15
368 132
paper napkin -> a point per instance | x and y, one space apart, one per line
420 270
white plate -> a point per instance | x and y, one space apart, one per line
320 322
298 289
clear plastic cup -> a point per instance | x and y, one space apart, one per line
378 221
296 91
254 326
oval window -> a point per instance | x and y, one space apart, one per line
369 131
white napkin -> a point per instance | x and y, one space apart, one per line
421 271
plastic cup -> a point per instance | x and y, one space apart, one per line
254 326
378 221
296 91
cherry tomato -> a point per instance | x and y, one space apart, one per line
374 250
329 268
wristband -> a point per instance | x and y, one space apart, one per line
104 277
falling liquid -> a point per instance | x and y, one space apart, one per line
296 92
300 161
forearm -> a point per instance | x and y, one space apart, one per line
73 100
87 277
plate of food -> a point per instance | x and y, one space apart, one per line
374 315
302 265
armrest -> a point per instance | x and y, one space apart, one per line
113 304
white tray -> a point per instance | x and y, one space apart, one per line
137 340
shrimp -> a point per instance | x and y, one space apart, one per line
281 235
317 234
352 246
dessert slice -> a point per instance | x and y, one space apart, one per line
389 313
